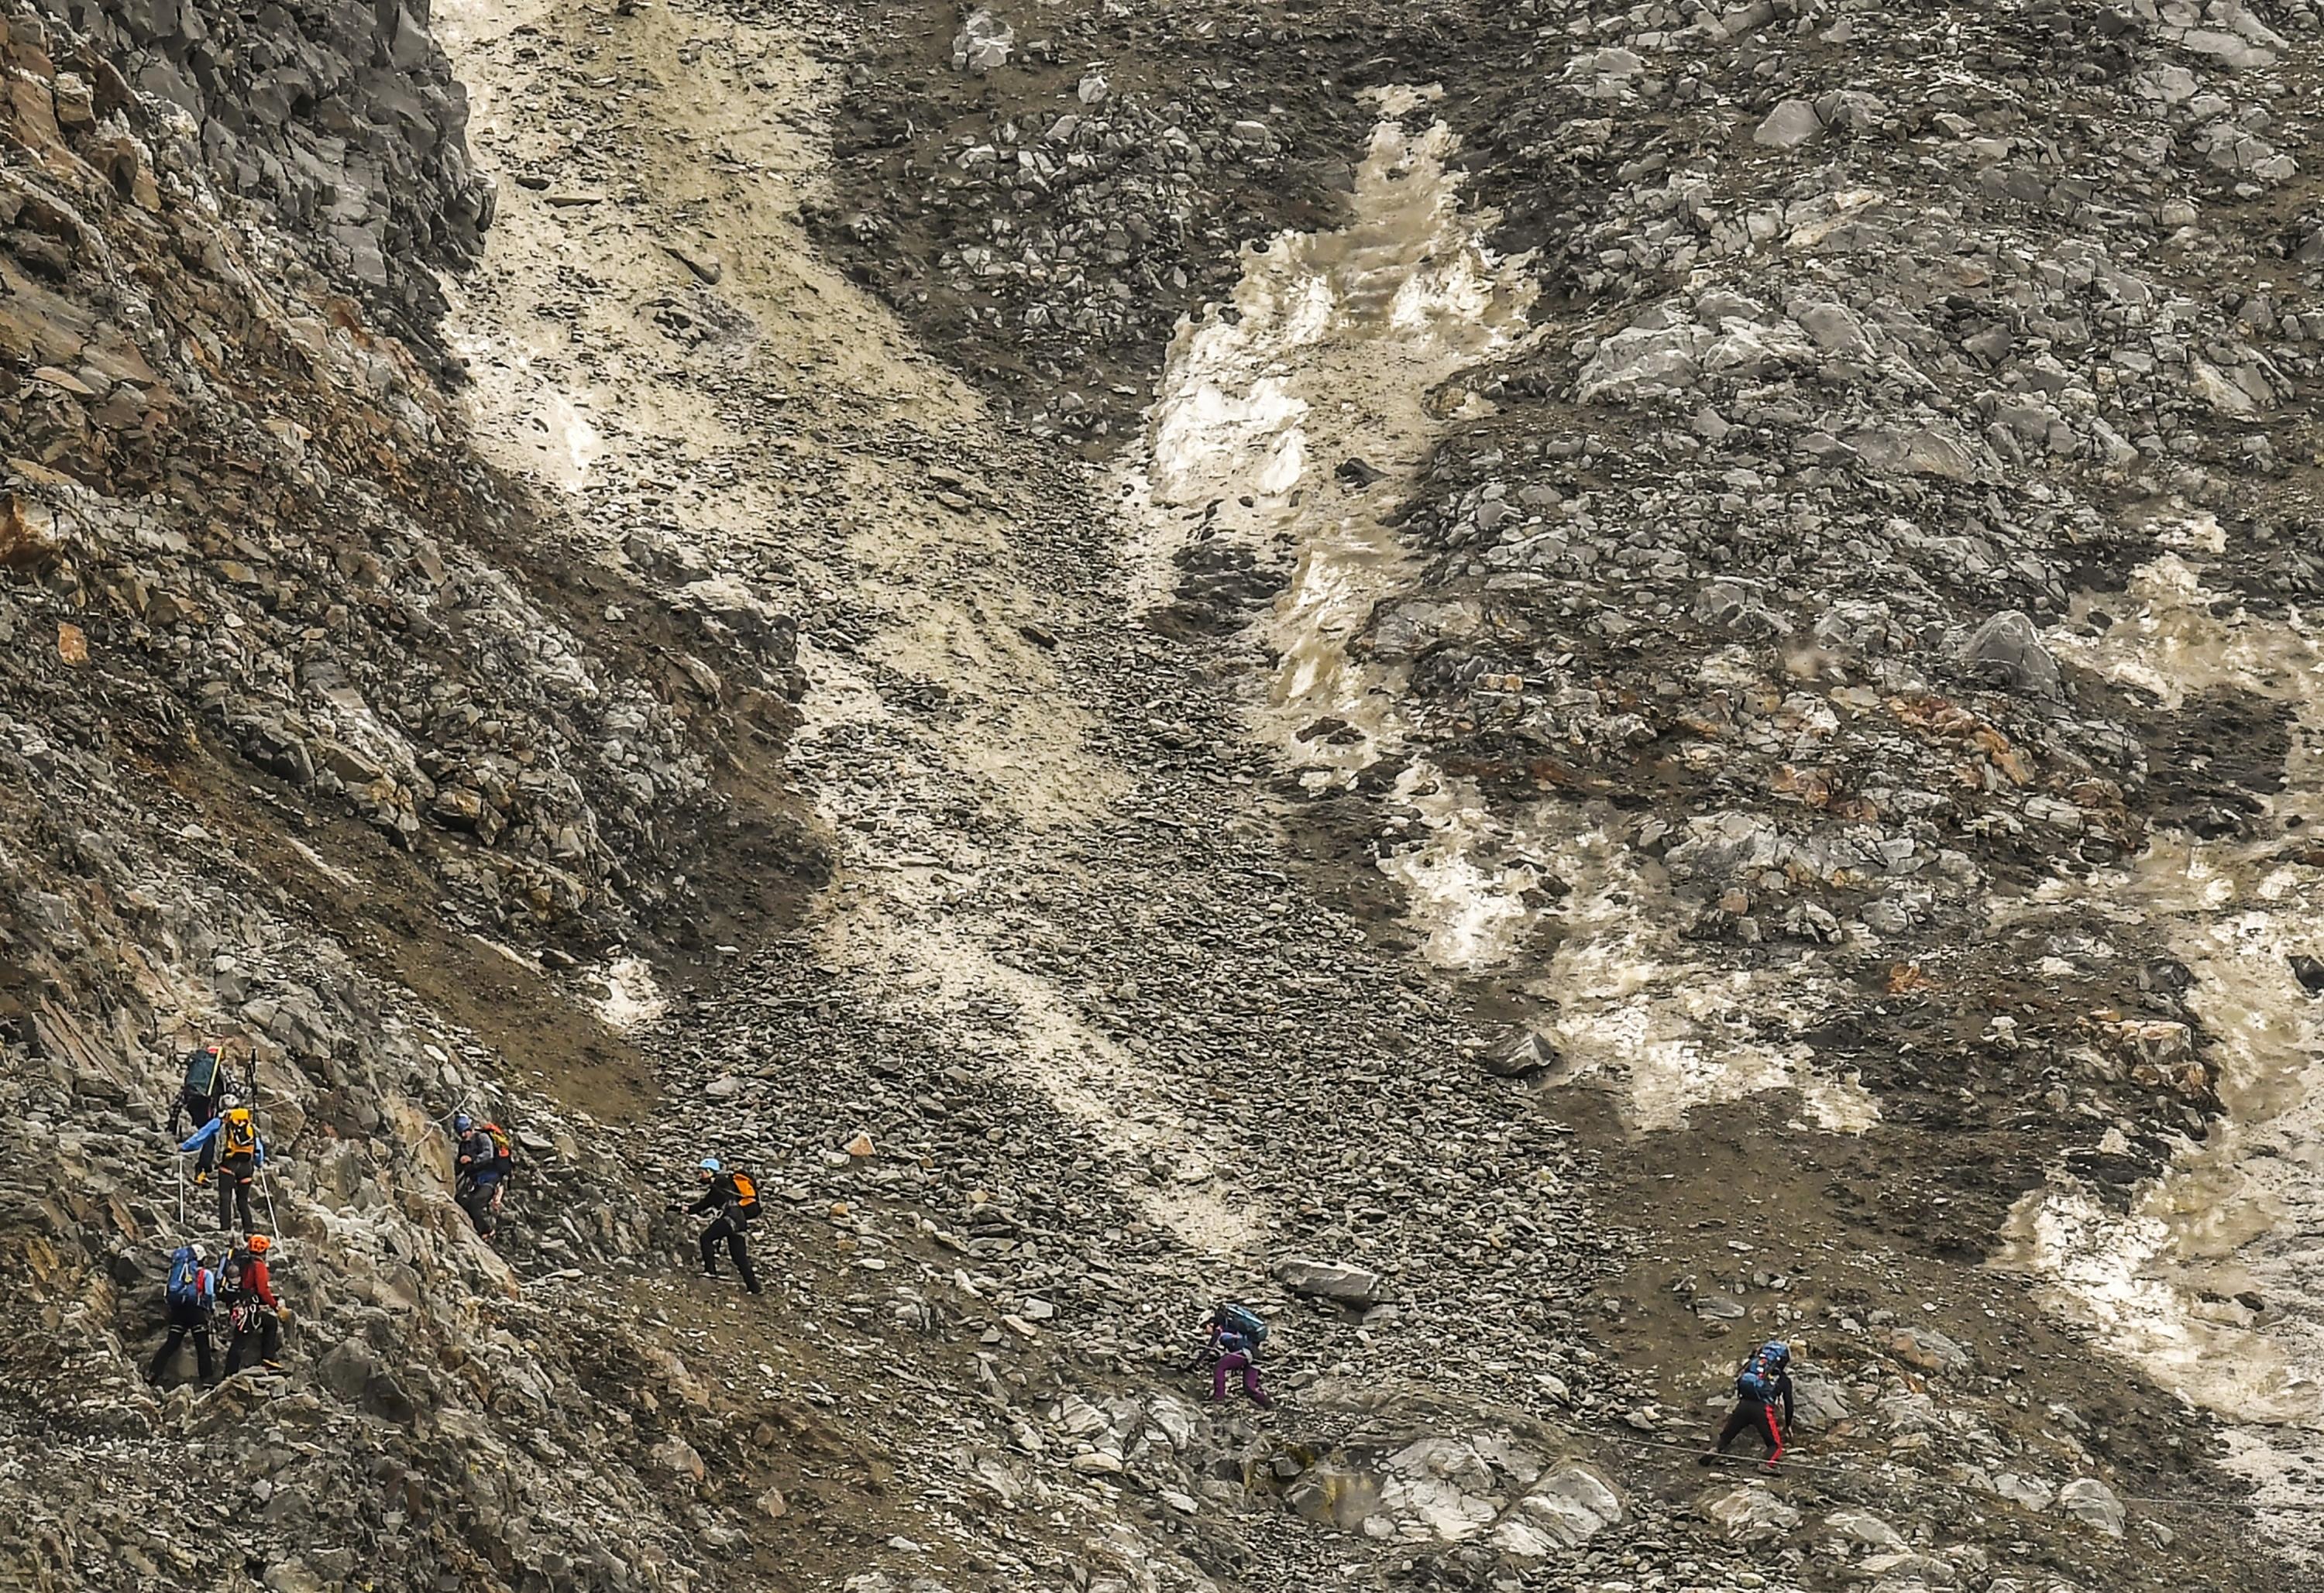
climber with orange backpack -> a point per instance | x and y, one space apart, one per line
240 1153
481 1163
735 1200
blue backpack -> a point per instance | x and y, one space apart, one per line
188 1285
1238 1318
1757 1381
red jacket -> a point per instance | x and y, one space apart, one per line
255 1279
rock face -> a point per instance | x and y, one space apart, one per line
334 611
344 122
314 738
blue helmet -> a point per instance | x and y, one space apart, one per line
462 1122
710 1164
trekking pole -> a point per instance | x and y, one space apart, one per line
181 1190
266 1193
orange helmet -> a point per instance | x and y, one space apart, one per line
258 1243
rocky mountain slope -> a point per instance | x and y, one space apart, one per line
1680 711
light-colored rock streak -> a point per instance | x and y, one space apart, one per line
2172 1281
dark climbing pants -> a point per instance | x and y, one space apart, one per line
259 1340
185 1324
234 1179
200 1111
1757 1418
476 1199
730 1227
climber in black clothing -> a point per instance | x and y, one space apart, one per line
735 1199
197 1098
1764 1383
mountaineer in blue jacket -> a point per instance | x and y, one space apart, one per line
241 1153
188 1296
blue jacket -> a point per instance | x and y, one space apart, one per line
209 1130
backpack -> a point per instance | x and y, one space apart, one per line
203 1071
746 1194
1242 1320
188 1285
239 1131
1757 1381
503 1154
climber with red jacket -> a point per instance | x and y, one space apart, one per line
254 1315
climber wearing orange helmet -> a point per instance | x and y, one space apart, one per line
254 1315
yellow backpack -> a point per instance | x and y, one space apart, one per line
239 1132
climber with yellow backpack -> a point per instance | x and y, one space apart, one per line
735 1200
240 1153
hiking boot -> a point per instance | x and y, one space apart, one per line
271 1366
1708 1458
201 1180
1770 1466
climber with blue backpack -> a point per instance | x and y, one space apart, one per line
1232 1337
1764 1383
186 1298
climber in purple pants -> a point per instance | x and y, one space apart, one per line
1237 1360
1233 1346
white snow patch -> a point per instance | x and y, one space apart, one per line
632 998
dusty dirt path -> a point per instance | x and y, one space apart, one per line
773 426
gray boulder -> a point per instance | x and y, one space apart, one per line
2092 1503
1330 1280
1789 125
2007 649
